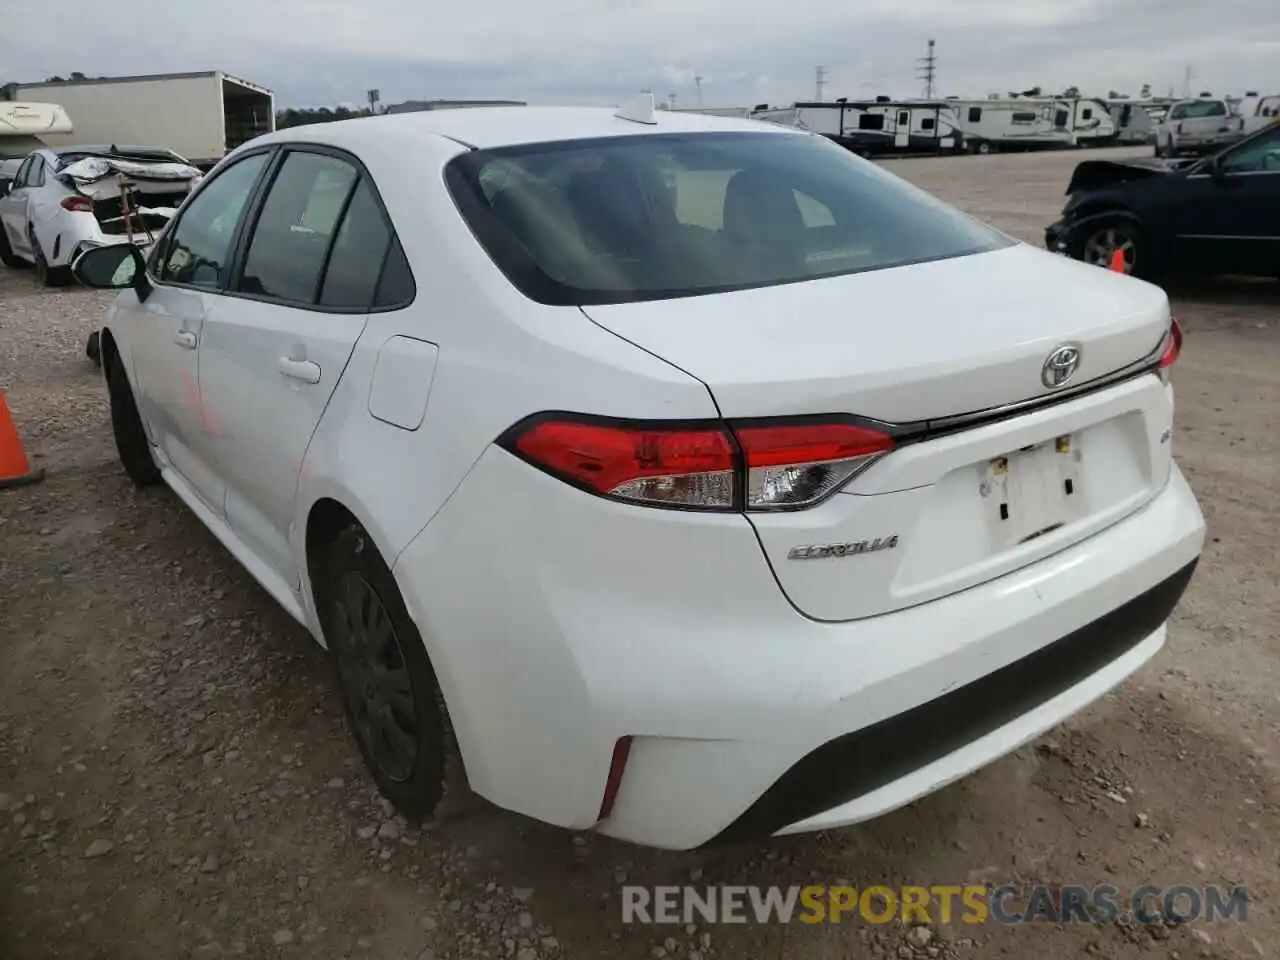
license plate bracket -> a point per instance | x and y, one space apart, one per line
1031 492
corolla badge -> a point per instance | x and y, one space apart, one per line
1060 366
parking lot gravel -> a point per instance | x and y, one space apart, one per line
176 780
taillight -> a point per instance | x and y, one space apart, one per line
790 465
755 465
689 466
1172 348
80 204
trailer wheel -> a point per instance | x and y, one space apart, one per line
984 147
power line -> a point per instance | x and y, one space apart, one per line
819 83
927 70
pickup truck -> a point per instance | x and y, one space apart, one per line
1199 126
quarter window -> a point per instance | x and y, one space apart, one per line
199 252
358 253
298 220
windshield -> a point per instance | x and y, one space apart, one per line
670 215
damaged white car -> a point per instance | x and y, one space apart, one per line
66 200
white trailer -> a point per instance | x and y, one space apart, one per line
880 126
200 116
1135 120
1258 111
1029 123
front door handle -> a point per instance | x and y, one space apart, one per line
303 370
185 339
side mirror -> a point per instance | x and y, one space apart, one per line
1213 167
116 267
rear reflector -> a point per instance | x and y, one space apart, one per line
760 465
81 204
617 766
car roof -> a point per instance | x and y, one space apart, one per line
488 127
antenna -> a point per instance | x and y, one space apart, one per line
927 70
819 83
638 109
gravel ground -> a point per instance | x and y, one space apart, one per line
176 781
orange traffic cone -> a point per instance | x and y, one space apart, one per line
15 470
1117 261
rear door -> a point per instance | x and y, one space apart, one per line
275 346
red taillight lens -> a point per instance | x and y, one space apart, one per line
792 465
784 465
1171 349
692 467
81 204
1172 345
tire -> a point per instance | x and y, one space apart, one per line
47 275
1098 244
984 148
131 440
93 348
8 257
389 690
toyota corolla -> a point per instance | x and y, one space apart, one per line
714 481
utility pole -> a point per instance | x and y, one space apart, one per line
819 83
927 70
375 97
697 82
1187 76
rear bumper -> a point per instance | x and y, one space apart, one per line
559 623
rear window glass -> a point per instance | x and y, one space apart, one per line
1198 109
670 215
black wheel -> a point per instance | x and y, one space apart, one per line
389 690
47 275
1105 239
131 440
93 349
7 256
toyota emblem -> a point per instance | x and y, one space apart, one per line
1060 366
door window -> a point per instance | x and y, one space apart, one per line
20 178
1261 155
35 176
298 221
199 251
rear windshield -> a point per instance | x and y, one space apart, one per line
672 215
1198 109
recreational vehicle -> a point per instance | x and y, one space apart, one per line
23 125
1135 120
871 127
1258 111
1026 123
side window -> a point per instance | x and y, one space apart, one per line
20 178
1086 113
35 176
396 286
1216 109
199 252
927 123
871 121
298 220
975 114
1178 112
1261 155
358 253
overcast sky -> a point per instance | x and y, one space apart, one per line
315 52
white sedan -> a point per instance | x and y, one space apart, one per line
64 201
717 482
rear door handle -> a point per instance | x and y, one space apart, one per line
303 370
185 339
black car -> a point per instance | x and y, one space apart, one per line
1220 214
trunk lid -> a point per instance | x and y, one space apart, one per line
131 197
923 343
905 344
